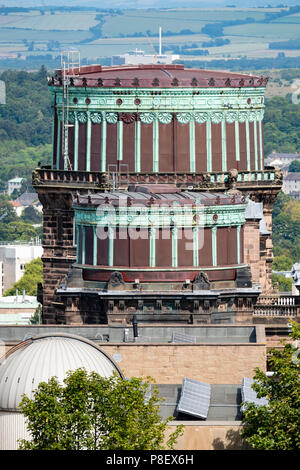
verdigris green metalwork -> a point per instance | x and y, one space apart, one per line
215 102
162 216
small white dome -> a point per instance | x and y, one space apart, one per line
39 358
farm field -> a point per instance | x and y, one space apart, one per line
60 21
31 33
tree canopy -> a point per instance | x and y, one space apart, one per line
30 279
276 426
90 412
294 166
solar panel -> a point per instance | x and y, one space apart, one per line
195 398
182 338
249 395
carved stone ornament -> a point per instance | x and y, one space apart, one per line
278 176
96 118
164 118
36 179
115 281
111 118
147 118
200 118
216 117
201 281
128 118
184 118
82 117
231 116
72 116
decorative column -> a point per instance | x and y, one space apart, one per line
261 145
155 145
237 141
88 142
77 228
120 141
111 235
255 146
248 145
238 243
214 246
152 260
83 244
224 149
75 142
174 247
103 143
95 245
195 246
208 145
137 146
192 146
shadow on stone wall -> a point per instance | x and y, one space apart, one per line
232 441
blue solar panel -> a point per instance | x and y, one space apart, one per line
195 398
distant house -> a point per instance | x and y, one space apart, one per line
30 200
291 184
15 183
26 200
281 159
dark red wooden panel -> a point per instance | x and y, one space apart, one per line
205 251
252 149
121 247
140 250
81 146
102 251
230 146
111 145
89 243
166 147
96 147
216 146
182 146
185 247
243 149
128 146
164 248
146 147
200 144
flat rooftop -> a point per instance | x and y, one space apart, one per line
225 403
117 333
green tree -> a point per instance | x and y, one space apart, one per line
282 263
294 166
276 426
284 283
29 281
91 412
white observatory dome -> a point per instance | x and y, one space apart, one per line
37 360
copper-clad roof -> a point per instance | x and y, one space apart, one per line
156 75
144 196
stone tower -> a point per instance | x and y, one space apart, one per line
145 201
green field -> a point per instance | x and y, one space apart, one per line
59 21
172 20
272 31
116 35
